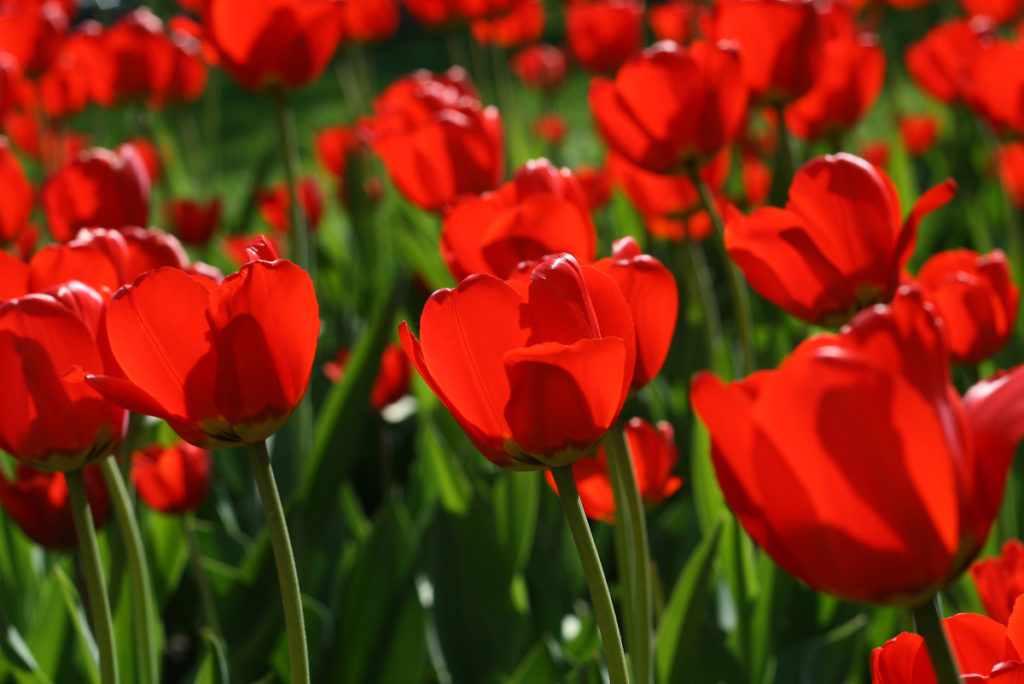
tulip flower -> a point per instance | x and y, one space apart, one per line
275 204
837 246
941 61
393 375
32 32
856 466
977 299
1010 167
540 66
541 211
370 21
434 12
603 33
551 128
670 105
993 83
333 147
596 185
97 188
223 364
192 221
38 502
1000 580
13 277
876 152
281 44
535 373
985 650
677 20
999 11
918 133
522 23
757 179
18 196
654 455
172 479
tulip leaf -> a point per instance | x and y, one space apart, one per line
18 653
707 495
440 469
167 550
87 653
516 505
678 631
539 665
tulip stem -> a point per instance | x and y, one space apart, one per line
782 173
287 575
138 569
596 582
188 524
632 515
928 619
738 289
96 586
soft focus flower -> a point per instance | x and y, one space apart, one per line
757 179
995 83
677 20
18 195
39 503
333 147
603 33
541 211
172 479
370 21
551 128
856 466
148 153
393 375
97 188
654 455
32 31
918 132
275 204
535 373
1000 580
837 246
193 221
976 298
596 186
540 66
223 364
1000 11
940 62
876 152
1010 166
522 23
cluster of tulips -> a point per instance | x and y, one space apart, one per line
714 262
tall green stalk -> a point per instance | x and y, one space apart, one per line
928 620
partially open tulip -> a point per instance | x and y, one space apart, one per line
172 479
918 132
654 455
541 211
838 245
274 44
18 195
603 33
976 297
994 84
540 66
275 204
98 188
1000 580
677 20
49 418
985 651
393 375
856 465
38 502
222 364
670 105
192 221
941 61
32 31
522 23
534 372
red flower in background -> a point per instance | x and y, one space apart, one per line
940 62
274 44
10 81
97 187
540 66
1010 166
976 298
333 147
995 84
47 419
856 465
192 221
150 157
837 246
603 33
654 455
18 195
551 128
370 21
172 479
433 12
223 364
669 105
32 31
781 63
38 502
436 139
918 132
275 204
678 20
597 187
757 179
393 375
876 152
537 371
13 277
1000 580
522 23
1000 11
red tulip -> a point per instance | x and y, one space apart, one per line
994 84
38 502
540 66
223 364
434 12
192 221
67 86
596 185
370 21
13 277
677 20
32 31
985 650
876 152
940 62
150 157
18 196
237 247
603 33
1000 580
140 56
522 24
837 246
669 105
856 465
1000 11
918 132
977 299
50 420
393 375
334 145
1010 166
535 373
541 211
274 44
435 138
172 479
275 204
654 455
780 64
97 187
757 179
10 80
551 128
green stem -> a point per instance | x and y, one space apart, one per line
623 530
738 289
641 650
719 358
599 595
287 575
188 524
290 158
142 603
785 165
928 620
99 604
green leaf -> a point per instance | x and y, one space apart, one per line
18 653
516 504
440 469
87 652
